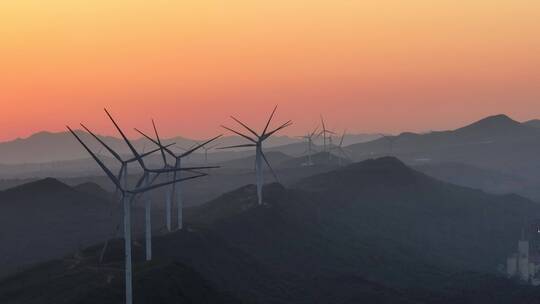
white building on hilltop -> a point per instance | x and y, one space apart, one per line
524 266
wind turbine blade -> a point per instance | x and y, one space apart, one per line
270 167
268 123
314 132
151 187
236 146
141 181
288 123
116 155
342 137
159 142
135 153
194 169
212 147
238 133
154 178
121 173
156 143
160 171
148 153
197 147
323 126
98 161
245 126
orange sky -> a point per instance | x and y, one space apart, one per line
386 66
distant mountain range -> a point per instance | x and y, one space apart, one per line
47 147
496 143
375 231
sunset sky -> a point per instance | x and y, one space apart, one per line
370 66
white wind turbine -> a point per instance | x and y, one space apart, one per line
341 150
176 189
257 142
326 134
146 180
309 141
122 177
127 198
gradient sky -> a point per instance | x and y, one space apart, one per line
370 66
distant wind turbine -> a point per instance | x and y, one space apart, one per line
326 134
257 141
341 149
309 141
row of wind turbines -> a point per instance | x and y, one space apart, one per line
172 173
328 146
173 176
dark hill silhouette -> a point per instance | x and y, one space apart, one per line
372 232
385 196
76 280
47 186
94 190
46 219
494 127
377 219
533 123
488 180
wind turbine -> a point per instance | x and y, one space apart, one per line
146 181
257 141
175 191
127 198
325 133
122 176
309 140
341 150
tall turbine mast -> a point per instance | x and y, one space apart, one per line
256 140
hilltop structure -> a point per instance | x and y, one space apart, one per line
524 265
